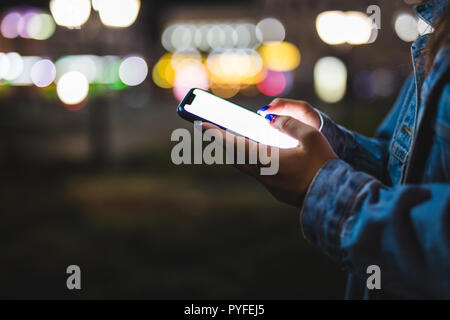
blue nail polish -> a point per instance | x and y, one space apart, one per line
270 117
262 109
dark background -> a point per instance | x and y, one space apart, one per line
97 188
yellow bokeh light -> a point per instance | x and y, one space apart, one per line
181 58
249 90
225 91
280 56
330 79
163 73
234 67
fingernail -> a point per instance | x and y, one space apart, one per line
262 109
270 117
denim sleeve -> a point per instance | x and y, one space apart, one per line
405 229
362 153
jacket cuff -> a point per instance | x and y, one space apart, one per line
327 204
320 118
337 136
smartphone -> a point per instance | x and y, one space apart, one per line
201 105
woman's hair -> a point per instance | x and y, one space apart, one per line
437 39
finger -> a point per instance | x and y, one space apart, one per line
211 130
247 155
209 125
261 159
287 107
291 126
300 110
241 149
244 152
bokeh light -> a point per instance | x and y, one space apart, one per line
27 23
249 90
270 29
234 66
201 37
70 13
43 73
27 16
190 75
111 65
181 38
179 58
245 35
89 65
273 84
221 36
337 27
330 79
163 73
238 55
225 91
23 78
210 36
133 71
117 13
280 56
330 26
15 68
406 27
4 65
12 24
41 26
359 27
166 38
72 88
217 37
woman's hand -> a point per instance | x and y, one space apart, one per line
297 109
298 166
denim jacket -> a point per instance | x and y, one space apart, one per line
377 204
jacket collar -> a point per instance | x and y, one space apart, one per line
431 11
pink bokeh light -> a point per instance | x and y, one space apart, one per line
273 84
12 25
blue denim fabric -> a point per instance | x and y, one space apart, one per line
361 210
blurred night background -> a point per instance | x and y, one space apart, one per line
88 96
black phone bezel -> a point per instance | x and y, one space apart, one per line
186 115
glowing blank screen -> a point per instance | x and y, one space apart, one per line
237 119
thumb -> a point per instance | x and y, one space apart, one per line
290 126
